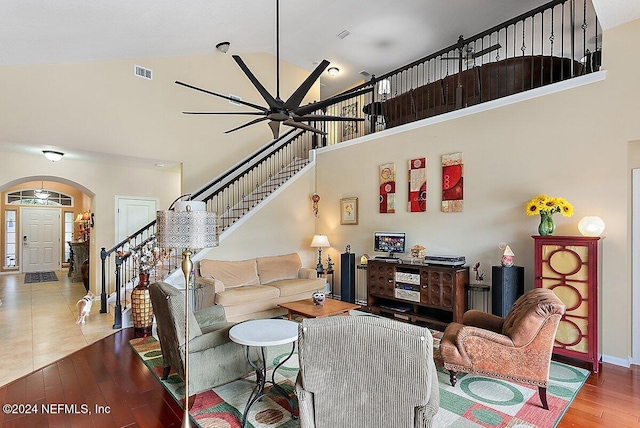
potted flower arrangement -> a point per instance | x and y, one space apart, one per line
146 257
546 206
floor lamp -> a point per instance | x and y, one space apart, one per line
188 227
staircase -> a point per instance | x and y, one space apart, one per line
249 202
234 194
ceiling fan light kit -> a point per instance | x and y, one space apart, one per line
288 112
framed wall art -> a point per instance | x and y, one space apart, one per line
349 211
417 201
387 177
452 183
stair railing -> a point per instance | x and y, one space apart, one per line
223 194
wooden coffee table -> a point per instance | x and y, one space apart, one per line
306 308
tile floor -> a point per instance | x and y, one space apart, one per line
38 323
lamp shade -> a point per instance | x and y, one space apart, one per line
320 241
186 229
591 226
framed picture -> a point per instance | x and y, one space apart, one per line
349 211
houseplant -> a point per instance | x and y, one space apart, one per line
546 207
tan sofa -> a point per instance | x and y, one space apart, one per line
254 288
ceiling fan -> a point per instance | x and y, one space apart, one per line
287 112
466 51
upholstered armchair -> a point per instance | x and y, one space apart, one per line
360 371
213 358
516 348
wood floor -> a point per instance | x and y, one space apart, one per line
108 377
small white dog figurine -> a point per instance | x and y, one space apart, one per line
84 307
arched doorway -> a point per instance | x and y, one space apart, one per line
38 216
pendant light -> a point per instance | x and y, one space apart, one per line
42 194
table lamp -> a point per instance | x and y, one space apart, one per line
188 227
320 242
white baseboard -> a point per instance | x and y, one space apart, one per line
623 362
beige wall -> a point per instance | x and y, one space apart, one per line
99 182
284 225
103 107
573 144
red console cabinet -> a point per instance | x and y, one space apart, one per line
570 266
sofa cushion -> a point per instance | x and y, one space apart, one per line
276 268
246 294
289 287
230 273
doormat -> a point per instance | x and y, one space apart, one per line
35 277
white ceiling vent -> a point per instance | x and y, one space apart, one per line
344 34
365 73
145 73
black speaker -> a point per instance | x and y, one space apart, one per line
507 284
348 277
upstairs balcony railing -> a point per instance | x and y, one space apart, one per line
554 42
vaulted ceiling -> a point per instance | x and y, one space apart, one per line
382 35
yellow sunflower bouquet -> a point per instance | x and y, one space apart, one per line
546 206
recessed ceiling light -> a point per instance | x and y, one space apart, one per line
223 47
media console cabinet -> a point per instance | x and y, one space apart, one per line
419 294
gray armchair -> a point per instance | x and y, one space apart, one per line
365 371
213 358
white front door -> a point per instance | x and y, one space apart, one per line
133 214
41 232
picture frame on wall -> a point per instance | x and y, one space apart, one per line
349 211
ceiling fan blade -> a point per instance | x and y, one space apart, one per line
310 108
487 50
252 113
271 102
304 126
235 100
246 124
325 118
275 128
296 98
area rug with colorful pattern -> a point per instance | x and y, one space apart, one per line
475 401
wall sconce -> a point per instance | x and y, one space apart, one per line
52 155
320 242
591 226
333 71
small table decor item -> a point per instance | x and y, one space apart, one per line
546 207
318 298
417 253
507 257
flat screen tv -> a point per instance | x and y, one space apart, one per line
389 242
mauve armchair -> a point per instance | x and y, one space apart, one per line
364 371
516 348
